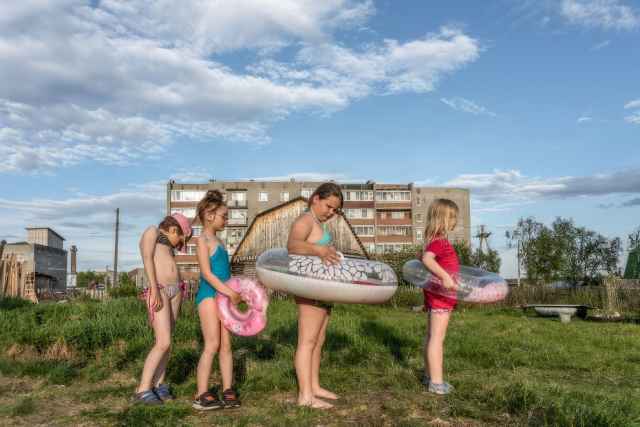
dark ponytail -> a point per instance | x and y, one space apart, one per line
209 203
326 190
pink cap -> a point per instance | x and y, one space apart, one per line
185 226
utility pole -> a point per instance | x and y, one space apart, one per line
4 242
518 256
114 282
483 236
515 236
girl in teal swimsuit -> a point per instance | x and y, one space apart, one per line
214 272
309 236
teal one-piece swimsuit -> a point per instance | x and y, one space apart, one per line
219 263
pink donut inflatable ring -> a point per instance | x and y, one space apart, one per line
248 323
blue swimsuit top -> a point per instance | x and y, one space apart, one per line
219 263
326 238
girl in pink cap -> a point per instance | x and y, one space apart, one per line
163 297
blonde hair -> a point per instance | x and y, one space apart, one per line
209 203
440 216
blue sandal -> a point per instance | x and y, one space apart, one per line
443 388
163 392
147 397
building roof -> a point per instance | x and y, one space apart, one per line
18 243
284 205
46 228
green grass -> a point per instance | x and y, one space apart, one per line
508 368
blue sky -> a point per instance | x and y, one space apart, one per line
533 105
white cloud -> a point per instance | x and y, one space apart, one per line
601 45
394 67
606 14
88 221
467 106
584 119
123 81
632 104
633 118
513 186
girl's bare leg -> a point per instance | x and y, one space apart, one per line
310 321
210 325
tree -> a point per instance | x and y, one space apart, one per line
536 253
464 252
488 260
125 280
632 270
564 251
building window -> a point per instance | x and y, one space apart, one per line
263 196
393 196
284 196
237 217
191 249
238 199
419 217
188 212
364 230
360 196
383 215
196 230
397 215
418 201
306 193
234 236
187 196
359 213
390 247
419 234
394 230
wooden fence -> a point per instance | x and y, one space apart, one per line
16 279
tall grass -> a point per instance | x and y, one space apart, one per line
508 369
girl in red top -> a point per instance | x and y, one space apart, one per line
441 259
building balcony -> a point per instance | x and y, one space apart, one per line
394 239
354 204
388 205
358 221
391 221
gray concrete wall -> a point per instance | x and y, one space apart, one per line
52 262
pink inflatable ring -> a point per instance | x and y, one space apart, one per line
248 323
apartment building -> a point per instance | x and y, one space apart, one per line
385 217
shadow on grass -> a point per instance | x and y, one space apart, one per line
182 365
387 337
55 372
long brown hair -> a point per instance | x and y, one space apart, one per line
326 190
209 203
440 215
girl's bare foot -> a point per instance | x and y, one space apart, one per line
325 394
315 403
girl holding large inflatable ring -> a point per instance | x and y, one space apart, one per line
309 236
441 260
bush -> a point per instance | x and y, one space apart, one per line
123 291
